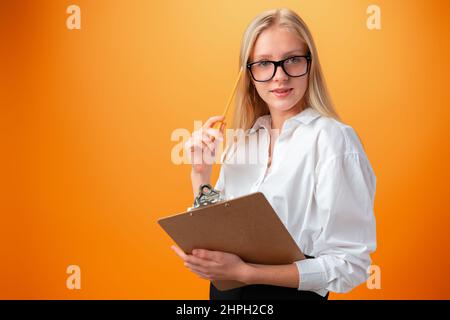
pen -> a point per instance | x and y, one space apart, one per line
230 98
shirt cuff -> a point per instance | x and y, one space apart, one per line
312 276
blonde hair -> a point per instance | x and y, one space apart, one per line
249 105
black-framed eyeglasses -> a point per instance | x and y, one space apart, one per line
295 66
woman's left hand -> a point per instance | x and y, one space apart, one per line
214 265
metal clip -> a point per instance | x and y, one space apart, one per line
206 196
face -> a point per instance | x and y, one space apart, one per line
277 43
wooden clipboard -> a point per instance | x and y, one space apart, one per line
246 226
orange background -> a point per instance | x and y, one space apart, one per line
87 115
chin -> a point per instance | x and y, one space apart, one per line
283 105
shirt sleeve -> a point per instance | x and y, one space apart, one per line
344 197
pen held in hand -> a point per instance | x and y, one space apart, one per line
222 123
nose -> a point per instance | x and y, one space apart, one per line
280 75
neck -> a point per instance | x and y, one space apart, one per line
279 116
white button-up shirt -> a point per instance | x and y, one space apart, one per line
321 185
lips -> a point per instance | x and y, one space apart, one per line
281 92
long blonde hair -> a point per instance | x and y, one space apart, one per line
249 105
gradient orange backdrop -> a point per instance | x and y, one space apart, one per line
87 115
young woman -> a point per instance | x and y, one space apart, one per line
313 170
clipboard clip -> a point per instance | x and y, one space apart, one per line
206 196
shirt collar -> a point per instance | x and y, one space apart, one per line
261 122
306 116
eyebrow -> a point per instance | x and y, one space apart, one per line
262 56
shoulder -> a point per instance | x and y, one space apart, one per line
339 150
334 138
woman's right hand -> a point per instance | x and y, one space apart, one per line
201 146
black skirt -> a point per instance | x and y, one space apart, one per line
263 292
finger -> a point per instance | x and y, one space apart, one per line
206 138
206 254
209 143
194 142
199 138
208 147
195 268
199 262
215 136
179 252
214 133
192 145
222 127
198 133
206 134
211 121
200 274
200 145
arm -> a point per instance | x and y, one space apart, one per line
198 179
275 275
217 265
344 195
201 150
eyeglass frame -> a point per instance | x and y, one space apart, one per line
280 63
